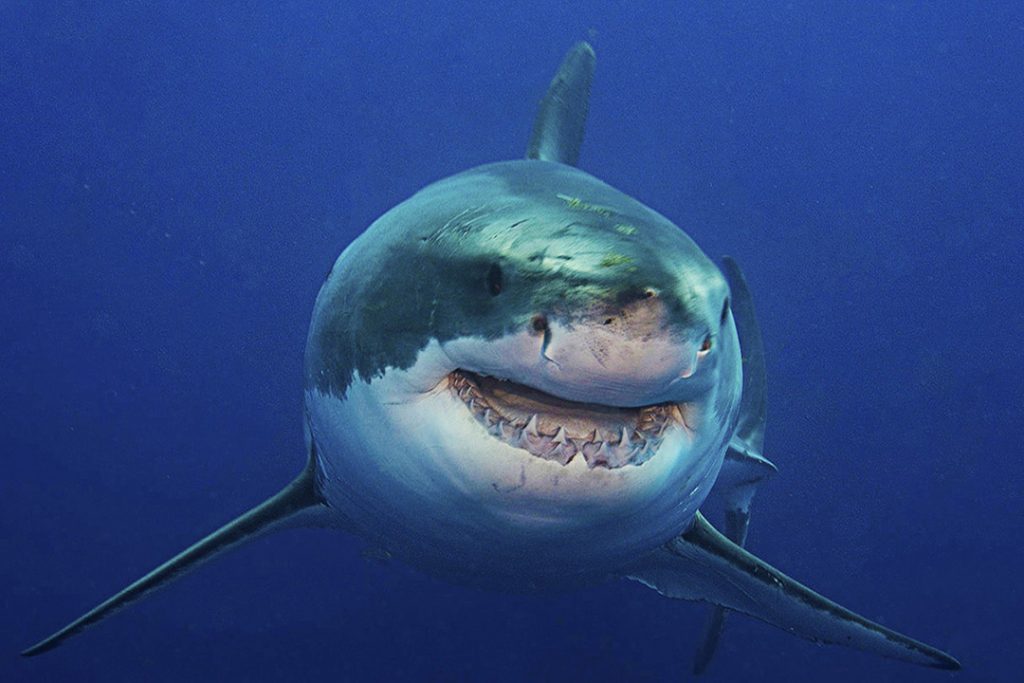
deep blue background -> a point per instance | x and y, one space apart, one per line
176 178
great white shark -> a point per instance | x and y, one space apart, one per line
522 378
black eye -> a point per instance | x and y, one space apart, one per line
706 346
725 311
494 280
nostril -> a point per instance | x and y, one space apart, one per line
539 323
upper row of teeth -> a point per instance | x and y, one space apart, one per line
652 418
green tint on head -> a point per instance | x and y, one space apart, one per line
611 260
480 254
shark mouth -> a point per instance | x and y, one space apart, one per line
559 430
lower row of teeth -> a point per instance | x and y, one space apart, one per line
628 449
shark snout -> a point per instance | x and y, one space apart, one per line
629 349
597 363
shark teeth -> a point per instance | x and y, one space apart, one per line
607 447
531 426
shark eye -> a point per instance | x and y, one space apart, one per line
725 311
706 346
494 280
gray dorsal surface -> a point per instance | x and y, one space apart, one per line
562 117
296 500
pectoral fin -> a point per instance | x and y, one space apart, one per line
702 564
296 502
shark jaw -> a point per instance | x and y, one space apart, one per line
411 457
560 430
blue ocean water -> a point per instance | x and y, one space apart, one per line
176 178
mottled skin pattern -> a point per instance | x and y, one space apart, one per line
421 271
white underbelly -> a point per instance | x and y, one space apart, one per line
422 478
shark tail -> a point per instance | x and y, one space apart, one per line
288 507
562 117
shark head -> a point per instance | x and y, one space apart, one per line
521 362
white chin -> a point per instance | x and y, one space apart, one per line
420 475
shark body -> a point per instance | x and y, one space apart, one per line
522 377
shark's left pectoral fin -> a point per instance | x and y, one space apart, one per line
702 564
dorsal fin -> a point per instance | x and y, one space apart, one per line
297 500
753 403
562 117
745 465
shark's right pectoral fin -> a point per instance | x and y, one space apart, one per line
298 504
702 564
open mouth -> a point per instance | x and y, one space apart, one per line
556 429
